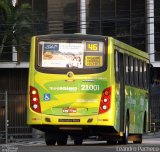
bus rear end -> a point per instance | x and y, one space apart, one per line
69 87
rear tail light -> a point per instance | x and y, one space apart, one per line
105 102
34 100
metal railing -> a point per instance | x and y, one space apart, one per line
13 117
155 126
5 131
14 56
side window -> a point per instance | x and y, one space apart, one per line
136 75
145 75
138 63
131 73
127 69
134 82
140 74
116 66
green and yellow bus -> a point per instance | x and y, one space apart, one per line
82 86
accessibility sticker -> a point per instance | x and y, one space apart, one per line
47 97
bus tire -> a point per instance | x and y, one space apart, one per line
62 140
144 123
111 142
139 139
78 141
126 133
49 139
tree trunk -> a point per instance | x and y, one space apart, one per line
2 45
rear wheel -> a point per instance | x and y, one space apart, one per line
49 139
62 142
111 142
138 139
62 139
78 141
126 134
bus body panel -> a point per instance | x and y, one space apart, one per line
78 94
75 101
77 97
81 105
136 99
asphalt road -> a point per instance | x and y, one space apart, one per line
150 143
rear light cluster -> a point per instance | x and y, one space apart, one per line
34 100
105 101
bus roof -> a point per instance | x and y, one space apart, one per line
129 48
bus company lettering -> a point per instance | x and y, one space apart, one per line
83 88
69 110
64 88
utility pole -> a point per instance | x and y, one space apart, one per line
150 45
150 30
83 16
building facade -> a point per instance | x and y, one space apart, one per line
131 21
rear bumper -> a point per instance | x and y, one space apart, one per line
105 119
82 130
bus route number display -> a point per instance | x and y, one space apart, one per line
93 61
92 46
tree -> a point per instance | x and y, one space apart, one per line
17 25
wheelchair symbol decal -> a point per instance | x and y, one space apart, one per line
47 97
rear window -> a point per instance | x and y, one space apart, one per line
70 54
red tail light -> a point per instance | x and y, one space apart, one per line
105 101
34 100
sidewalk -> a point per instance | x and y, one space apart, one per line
42 141
152 135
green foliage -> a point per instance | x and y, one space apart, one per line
17 24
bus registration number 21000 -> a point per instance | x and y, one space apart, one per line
90 87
